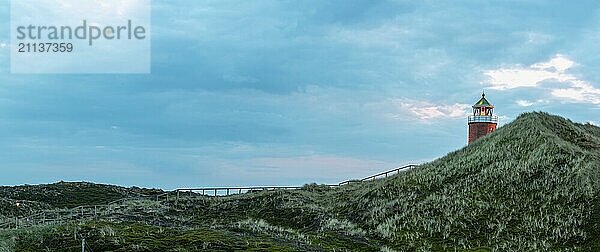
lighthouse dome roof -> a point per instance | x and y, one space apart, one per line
483 102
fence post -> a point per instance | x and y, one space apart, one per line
177 195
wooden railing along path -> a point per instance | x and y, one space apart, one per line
56 216
380 175
226 191
95 211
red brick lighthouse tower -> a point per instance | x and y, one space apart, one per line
483 121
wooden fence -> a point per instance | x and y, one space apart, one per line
60 216
379 175
226 191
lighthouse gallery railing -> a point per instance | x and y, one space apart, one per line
488 119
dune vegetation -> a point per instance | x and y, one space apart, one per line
533 185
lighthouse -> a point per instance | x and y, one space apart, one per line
483 121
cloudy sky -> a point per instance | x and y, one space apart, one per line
287 92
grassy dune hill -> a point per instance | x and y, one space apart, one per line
532 185
67 195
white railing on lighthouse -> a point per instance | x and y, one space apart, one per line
483 119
